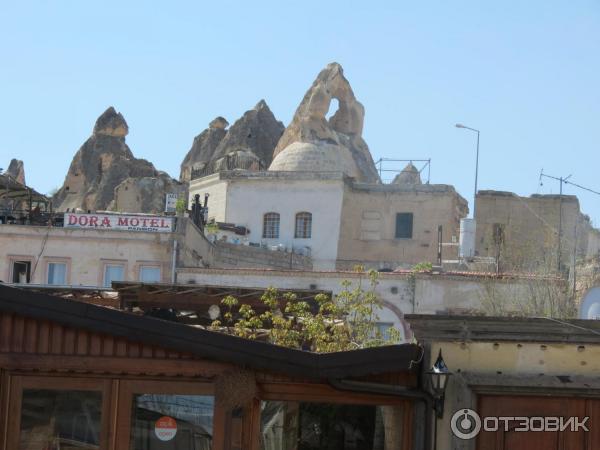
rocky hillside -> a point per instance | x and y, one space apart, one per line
248 144
103 163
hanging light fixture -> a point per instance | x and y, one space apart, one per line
438 377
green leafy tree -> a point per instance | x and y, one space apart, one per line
346 321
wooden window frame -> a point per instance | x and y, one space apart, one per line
14 258
319 393
129 388
18 383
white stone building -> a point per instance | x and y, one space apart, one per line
338 221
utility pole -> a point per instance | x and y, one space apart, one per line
561 180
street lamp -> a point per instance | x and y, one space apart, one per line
438 377
460 125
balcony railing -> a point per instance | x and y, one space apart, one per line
229 162
33 217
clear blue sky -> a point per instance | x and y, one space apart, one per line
526 73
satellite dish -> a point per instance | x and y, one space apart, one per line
214 312
590 305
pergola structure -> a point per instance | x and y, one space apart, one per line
17 200
186 303
190 303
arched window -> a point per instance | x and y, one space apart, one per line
303 225
271 225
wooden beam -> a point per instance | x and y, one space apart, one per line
99 364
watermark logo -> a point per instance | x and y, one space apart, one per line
466 424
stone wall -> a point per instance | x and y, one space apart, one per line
401 292
85 252
530 230
242 256
243 198
367 235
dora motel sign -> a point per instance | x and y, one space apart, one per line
122 222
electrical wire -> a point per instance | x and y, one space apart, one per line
562 322
37 260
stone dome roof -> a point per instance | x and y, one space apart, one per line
409 176
309 157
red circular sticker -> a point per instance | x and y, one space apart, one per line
165 428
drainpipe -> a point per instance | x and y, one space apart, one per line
386 389
174 262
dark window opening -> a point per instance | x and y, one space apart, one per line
404 225
319 426
60 419
21 271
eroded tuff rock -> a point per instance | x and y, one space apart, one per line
314 143
102 163
203 148
409 176
146 194
16 170
248 144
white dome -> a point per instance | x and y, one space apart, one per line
307 157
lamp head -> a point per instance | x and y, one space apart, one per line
438 375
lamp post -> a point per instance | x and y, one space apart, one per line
460 125
438 377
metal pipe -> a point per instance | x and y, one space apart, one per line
476 176
386 389
560 202
460 125
174 262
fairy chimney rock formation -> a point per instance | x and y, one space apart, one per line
111 123
203 148
409 176
248 144
102 163
16 170
314 143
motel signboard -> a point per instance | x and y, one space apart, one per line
121 222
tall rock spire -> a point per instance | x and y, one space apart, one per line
314 143
247 144
102 163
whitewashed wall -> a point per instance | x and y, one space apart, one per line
244 201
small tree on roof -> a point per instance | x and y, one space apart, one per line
346 321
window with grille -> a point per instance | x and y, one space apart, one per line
271 225
404 225
303 225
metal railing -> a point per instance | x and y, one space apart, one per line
33 217
228 162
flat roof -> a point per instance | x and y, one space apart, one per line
428 327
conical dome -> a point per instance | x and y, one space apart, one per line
409 176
